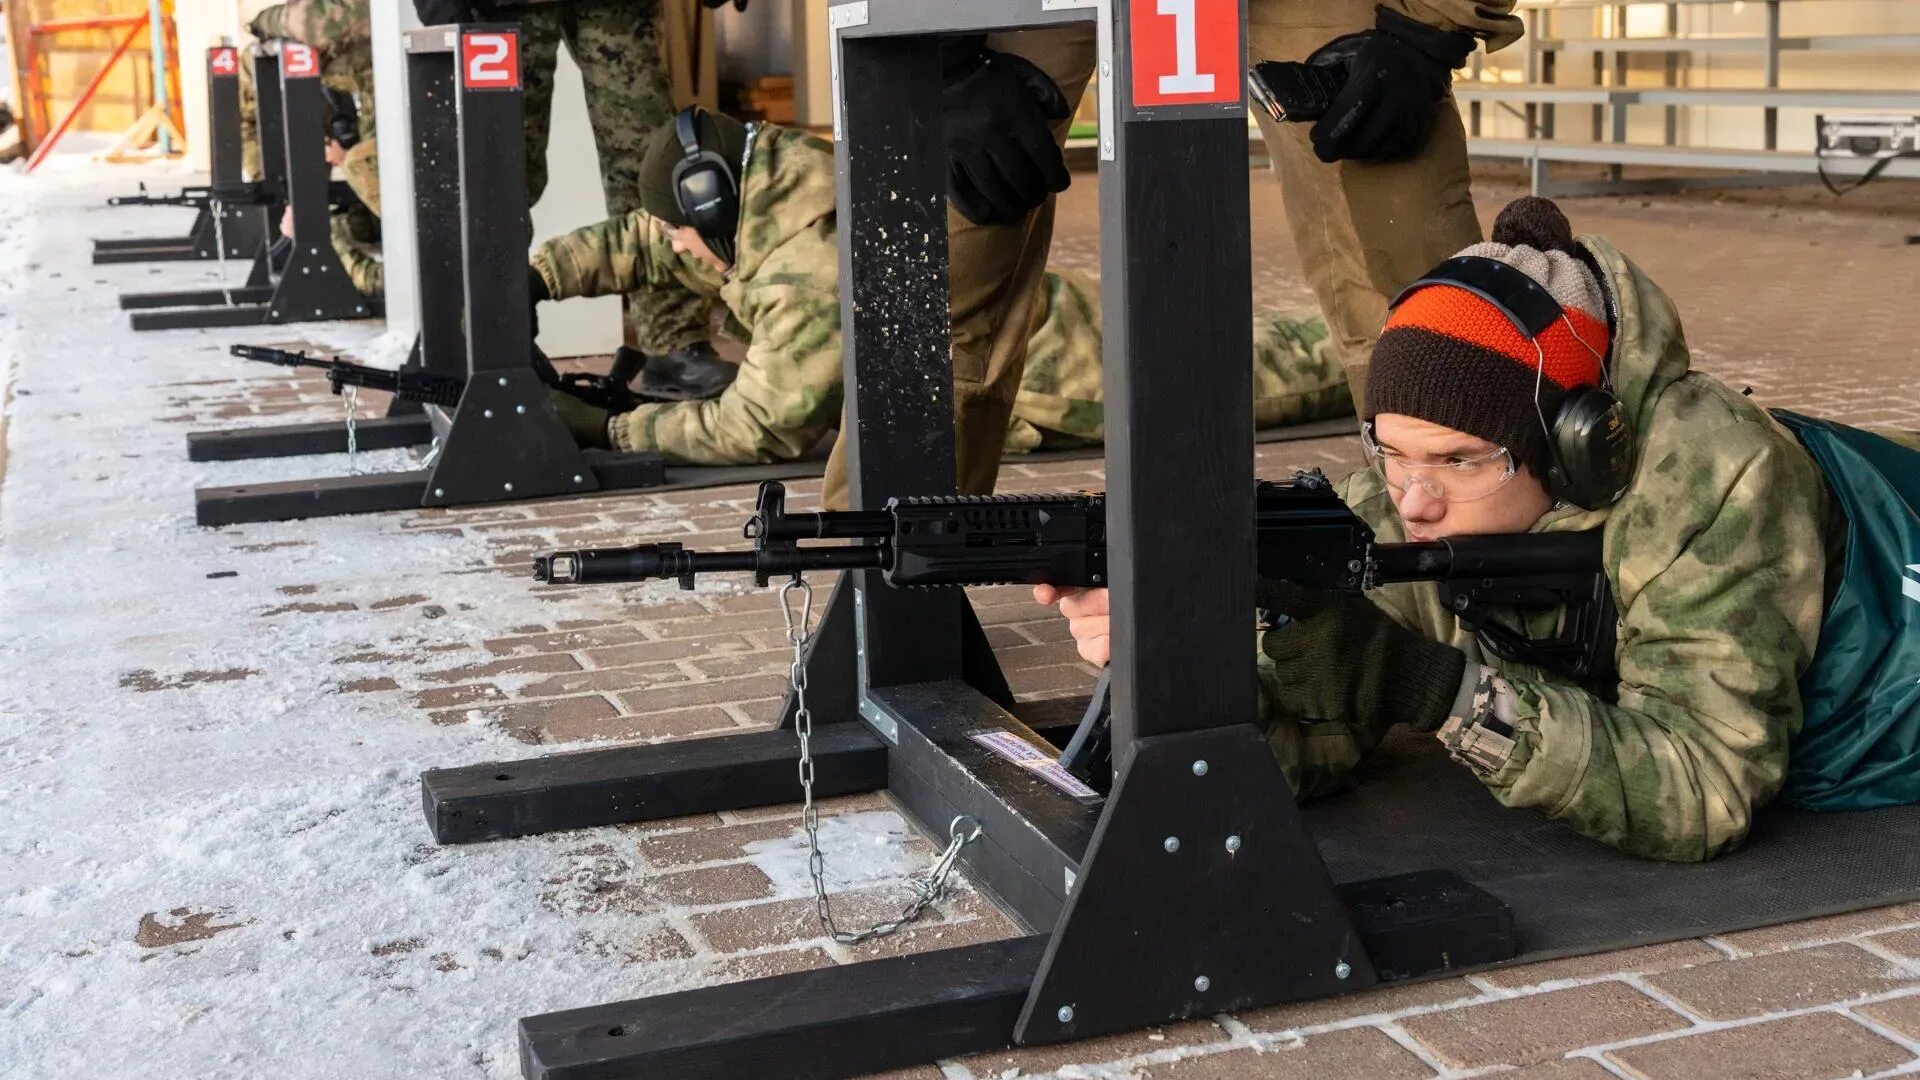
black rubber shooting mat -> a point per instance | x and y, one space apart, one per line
1413 808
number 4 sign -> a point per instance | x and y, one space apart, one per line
1185 52
490 60
224 61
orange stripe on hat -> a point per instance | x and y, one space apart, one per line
1467 316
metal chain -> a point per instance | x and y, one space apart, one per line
963 830
351 395
220 246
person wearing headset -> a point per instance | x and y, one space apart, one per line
745 214
1540 383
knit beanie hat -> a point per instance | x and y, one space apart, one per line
1450 357
718 132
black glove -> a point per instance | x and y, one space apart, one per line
586 423
738 5
1399 72
1341 658
1001 158
442 12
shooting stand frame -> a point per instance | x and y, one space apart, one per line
504 440
312 286
1192 888
242 227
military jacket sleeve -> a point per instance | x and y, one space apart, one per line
323 24
787 394
619 255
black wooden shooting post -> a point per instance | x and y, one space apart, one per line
441 346
312 286
242 227
1192 887
504 440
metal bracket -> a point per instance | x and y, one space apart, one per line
838 19
1104 81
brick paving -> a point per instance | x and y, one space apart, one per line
1804 301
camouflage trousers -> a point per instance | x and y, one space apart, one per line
1297 376
356 240
616 44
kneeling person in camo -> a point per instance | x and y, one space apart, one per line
762 240
1540 383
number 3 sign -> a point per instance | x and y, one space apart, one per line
490 60
298 61
1185 52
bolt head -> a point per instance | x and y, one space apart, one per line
1171 843
439 493
578 479
1200 768
507 487
521 409
1233 843
486 414
1202 983
1341 970
503 380
1065 1015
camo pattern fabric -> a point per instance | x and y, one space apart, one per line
1296 375
343 33
361 171
1717 560
359 254
616 44
783 291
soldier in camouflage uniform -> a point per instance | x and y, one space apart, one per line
1718 554
342 33
616 44
783 293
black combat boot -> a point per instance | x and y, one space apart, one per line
687 374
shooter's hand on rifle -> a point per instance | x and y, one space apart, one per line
1342 658
1087 619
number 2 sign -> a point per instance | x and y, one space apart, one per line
490 60
1185 52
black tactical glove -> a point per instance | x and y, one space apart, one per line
1399 71
1342 658
442 12
586 423
1001 158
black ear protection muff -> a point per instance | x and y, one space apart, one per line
1589 442
704 187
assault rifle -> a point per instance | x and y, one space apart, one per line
607 391
1304 534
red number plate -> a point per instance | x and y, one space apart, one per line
1185 52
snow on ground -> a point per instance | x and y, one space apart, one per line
302 925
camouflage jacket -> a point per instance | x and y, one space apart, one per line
1296 376
783 292
1717 559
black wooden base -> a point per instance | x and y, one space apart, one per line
201 317
808 1025
295 440
499 800
181 298
334 496
144 249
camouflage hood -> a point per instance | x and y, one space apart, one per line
787 190
1649 355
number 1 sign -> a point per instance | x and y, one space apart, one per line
1185 52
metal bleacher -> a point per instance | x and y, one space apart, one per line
1616 82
